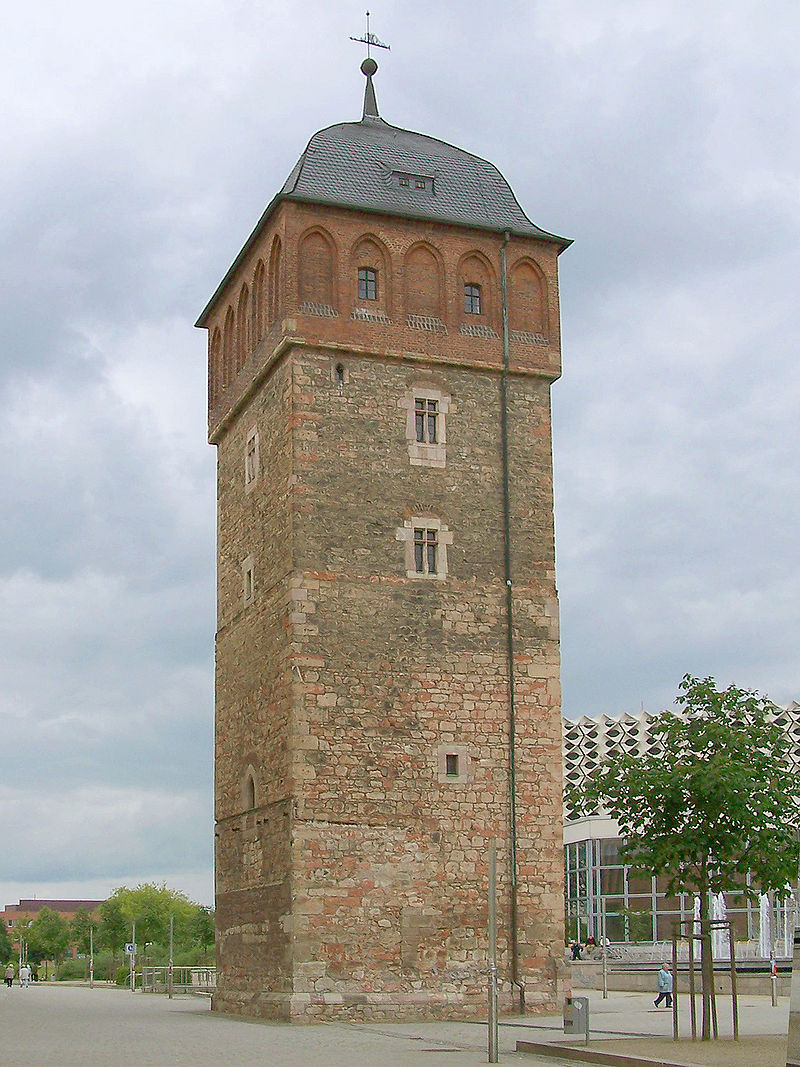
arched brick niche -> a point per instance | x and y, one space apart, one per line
369 282
527 298
258 304
316 271
243 327
476 300
424 284
228 347
214 366
274 296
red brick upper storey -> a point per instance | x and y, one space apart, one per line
298 282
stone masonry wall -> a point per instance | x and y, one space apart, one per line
389 859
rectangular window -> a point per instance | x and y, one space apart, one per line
425 550
367 283
451 764
472 299
404 181
426 417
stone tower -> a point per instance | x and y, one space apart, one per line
387 658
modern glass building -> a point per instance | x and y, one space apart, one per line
635 907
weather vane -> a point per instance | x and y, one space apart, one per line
370 40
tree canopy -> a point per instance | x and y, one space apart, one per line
714 802
6 948
47 936
150 906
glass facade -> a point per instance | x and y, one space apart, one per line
636 908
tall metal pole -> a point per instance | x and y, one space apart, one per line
605 946
493 1031
133 957
169 973
674 984
91 956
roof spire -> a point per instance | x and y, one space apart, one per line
368 68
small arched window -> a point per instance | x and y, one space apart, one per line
249 792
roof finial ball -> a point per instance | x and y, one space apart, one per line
369 67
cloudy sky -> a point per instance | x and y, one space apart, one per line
141 144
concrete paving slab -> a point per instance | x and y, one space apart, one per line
110 1027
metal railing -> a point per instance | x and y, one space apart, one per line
184 979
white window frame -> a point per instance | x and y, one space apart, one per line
461 752
423 453
405 534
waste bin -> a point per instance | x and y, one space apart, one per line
576 1016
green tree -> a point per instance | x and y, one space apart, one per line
113 931
149 906
6 948
201 928
48 936
79 929
716 802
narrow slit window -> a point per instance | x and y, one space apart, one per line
426 417
367 283
451 764
339 375
426 543
251 459
472 299
248 581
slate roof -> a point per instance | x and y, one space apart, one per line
356 165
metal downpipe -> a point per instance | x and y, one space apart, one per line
515 975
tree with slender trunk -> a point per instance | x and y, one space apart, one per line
713 802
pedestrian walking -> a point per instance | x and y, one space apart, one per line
664 986
9 975
24 975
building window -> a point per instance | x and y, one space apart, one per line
248 581
472 299
426 540
426 544
426 410
426 416
423 182
251 459
453 763
367 283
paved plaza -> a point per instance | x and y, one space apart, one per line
73 1026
